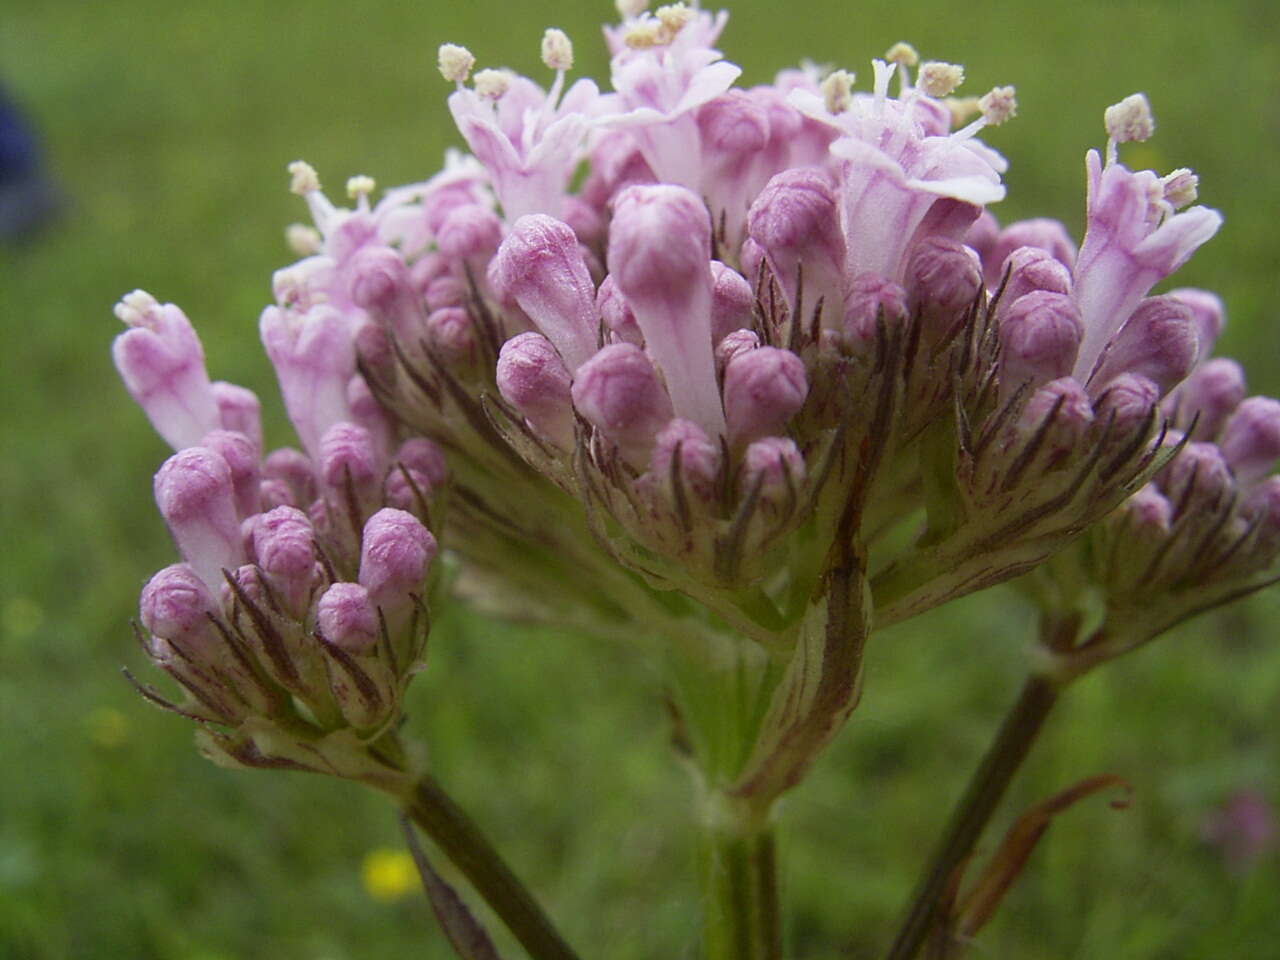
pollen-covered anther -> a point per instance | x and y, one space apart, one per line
456 63
304 240
902 53
645 34
303 178
492 84
360 186
937 79
998 105
837 91
1130 119
1181 188
557 49
133 308
674 18
631 8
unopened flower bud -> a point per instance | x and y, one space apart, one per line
775 464
293 468
1148 512
470 233
239 410
1039 335
533 378
451 334
176 605
444 291
424 457
732 301
1262 506
161 362
1158 342
1126 402
733 344
944 276
1199 478
1032 268
376 278
540 266
1208 312
616 314
619 392
196 497
1208 396
1062 408
274 493
1251 439
350 469
241 455
982 236
763 389
284 544
796 222
659 255
870 297
396 551
1042 233
346 617
699 457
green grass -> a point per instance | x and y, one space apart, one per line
170 126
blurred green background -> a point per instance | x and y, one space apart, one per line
169 125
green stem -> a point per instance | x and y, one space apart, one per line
740 893
986 787
461 841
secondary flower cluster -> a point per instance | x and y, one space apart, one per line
299 601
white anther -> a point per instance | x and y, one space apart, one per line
134 307
557 49
492 84
998 105
304 240
837 91
1181 188
304 178
1130 119
455 62
627 9
937 79
903 53
360 186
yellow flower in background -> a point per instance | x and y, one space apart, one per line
389 874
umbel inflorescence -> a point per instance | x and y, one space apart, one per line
740 373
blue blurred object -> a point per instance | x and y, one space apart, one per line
28 200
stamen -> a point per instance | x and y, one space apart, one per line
674 18
133 307
360 186
492 84
1130 119
557 50
998 105
629 9
302 239
1181 188
937 79
837 91
644 35
903 54
456 63
304 178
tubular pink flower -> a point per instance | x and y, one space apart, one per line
176 605
732 301
1159 342
699 457
1040 233
314 357
1250 440
1031 268
659 256
241 455
196 497
161 362
395 553
1039 335
284 544
943 277
1132 241
345 616
1208 396
1208 312
541 267
239 410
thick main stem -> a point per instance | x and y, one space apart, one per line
986 787
462 842
740 893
